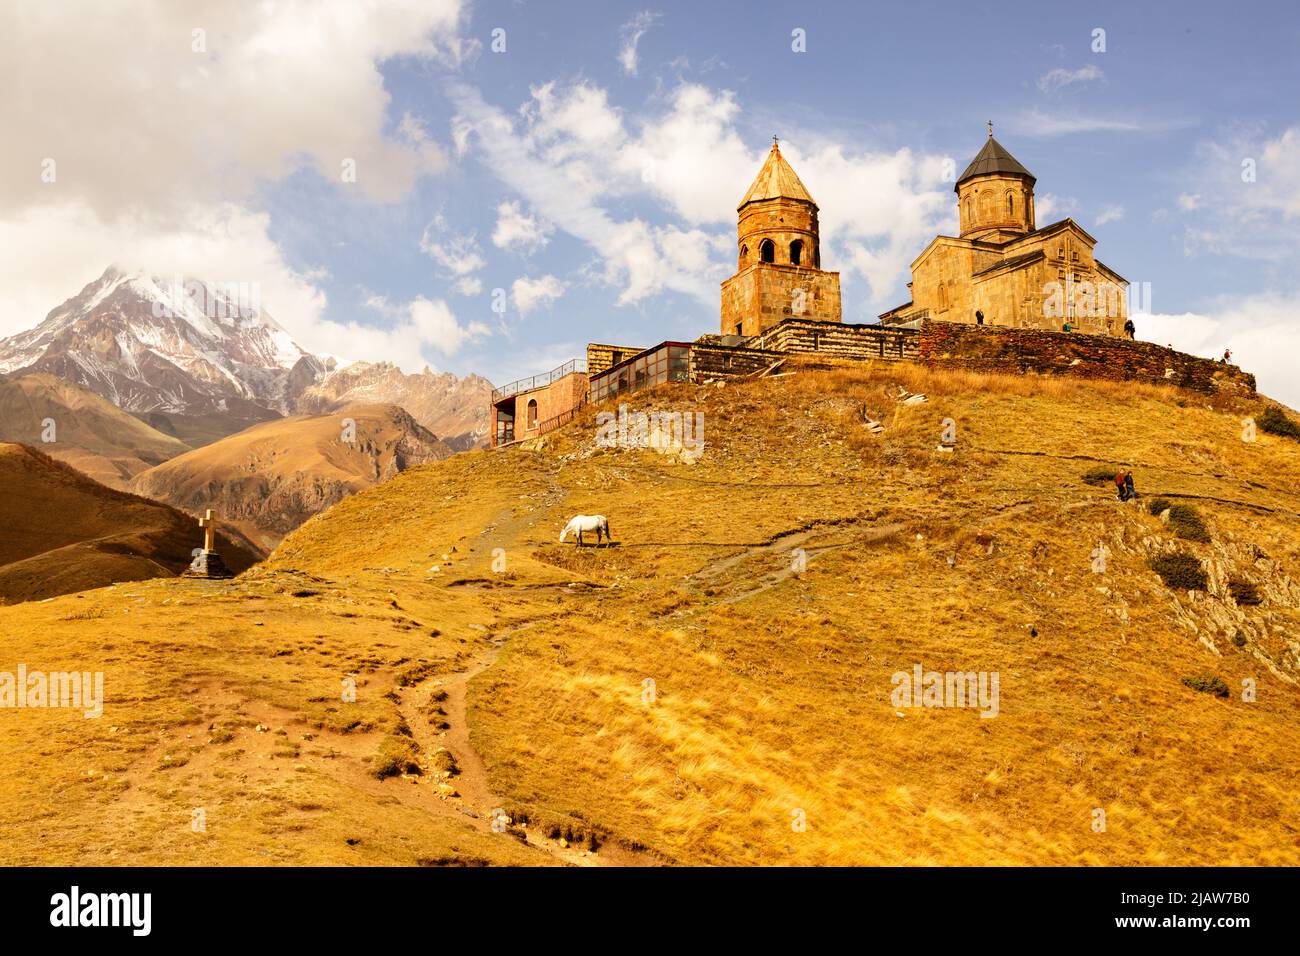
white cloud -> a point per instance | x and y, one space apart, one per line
138 122
1060 78
49 254
1109 214
161 138
412 328
1049 205
457 253
575 158
529 294
1244 196
468 285
1039 123
514 230
1261 330
630 34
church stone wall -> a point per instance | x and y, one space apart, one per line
601 358
859 342
991 349
721 361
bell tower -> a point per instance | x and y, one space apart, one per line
778 264
995 195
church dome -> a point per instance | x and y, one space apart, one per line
994 159
776 180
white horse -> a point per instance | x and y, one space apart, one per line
580 523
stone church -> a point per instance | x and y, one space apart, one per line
1003 270
778 270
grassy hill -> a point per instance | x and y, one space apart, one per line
91 433
63 532
270 478
772 686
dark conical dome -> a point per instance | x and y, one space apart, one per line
994 158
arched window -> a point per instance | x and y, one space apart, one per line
532 413
968 219
767 251
744 256
796 252
1011 205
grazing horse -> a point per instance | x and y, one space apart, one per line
580 523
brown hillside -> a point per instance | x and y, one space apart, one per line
267 480
91 433
63 532
771 686
454 408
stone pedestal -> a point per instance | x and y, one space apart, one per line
207 564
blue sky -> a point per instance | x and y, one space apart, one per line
586 176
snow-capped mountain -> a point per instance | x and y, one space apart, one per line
199 361
171 345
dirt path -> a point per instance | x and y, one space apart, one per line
473 798
781 546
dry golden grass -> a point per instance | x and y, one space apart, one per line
771 688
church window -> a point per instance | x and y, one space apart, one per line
532 413
767 251
968 219
1060 252
1011 205
744 255
796 252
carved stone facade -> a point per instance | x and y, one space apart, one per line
1002 270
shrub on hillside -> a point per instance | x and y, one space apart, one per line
1243 592
1159 505
1208 684
1186 522
397 754
1275 421
1179 571
1098 475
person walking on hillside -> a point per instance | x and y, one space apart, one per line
1124 485
1130 329
1227 357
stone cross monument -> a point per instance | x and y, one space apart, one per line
207 563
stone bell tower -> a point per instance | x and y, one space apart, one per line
995 195
778 271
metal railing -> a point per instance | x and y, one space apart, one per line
539 381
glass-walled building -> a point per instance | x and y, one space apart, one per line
668 362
